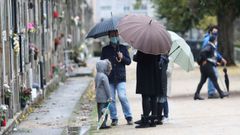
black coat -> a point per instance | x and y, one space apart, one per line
148 74
118 73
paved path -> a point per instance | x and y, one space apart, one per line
52 117
187 117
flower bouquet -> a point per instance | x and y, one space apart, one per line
25 95
34 50
31 27
3 115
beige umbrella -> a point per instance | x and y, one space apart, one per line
181 53
145 34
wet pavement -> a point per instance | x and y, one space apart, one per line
186 116
52 116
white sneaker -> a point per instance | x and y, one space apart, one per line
165 120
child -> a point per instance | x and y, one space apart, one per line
162 100
102 87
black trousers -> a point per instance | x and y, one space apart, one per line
100 107
208 72
149 105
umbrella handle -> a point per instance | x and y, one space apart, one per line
118 49
225 65
174 51
99 124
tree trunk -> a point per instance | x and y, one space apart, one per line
225 39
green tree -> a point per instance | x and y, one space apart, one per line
189 12
138 4
178 14
207 21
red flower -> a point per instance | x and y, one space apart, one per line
55 14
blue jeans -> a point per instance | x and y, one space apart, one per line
211 88
120 88
165 108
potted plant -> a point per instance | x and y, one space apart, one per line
25 96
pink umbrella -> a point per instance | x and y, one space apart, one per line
145 34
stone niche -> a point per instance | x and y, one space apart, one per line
237 31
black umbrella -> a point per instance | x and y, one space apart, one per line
226 78
102 28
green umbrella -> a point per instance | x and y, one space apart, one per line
181 53
105 112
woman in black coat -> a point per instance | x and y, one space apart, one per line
148 85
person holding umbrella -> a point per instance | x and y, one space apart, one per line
149 86
207 61
119 57
151 39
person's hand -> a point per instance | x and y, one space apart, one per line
224 61
204 62
119 56
109 100
219 64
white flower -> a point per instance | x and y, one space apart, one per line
6 86
3 107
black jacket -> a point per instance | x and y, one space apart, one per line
209 53
118 73
148 74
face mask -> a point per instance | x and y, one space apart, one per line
215 34
114 40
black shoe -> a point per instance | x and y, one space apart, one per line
213 96
158 121
105 127
138 122
143 125
223 94
198 98
129 121
114 122
144 122
153 119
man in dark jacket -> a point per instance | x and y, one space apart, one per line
119 57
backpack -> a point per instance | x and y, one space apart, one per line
200 57
204 52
